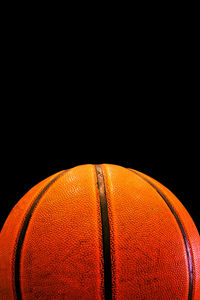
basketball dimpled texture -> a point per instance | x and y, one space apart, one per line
99 232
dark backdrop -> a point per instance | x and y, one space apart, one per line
36 148
90 94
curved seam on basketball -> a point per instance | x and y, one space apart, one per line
105 233
186 241
22 234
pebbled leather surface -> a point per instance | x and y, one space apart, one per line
8 239
190 230
62 257
150 259
61 254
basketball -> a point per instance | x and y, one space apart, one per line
99 232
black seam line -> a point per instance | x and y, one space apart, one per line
187 245
22 236
105 233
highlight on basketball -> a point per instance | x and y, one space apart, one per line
99 232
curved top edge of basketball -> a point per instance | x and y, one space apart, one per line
115 165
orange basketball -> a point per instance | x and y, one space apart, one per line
99 232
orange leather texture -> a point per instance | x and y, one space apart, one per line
190 230
67 225
62 251
8 239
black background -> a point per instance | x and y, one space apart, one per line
32 154
100 95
